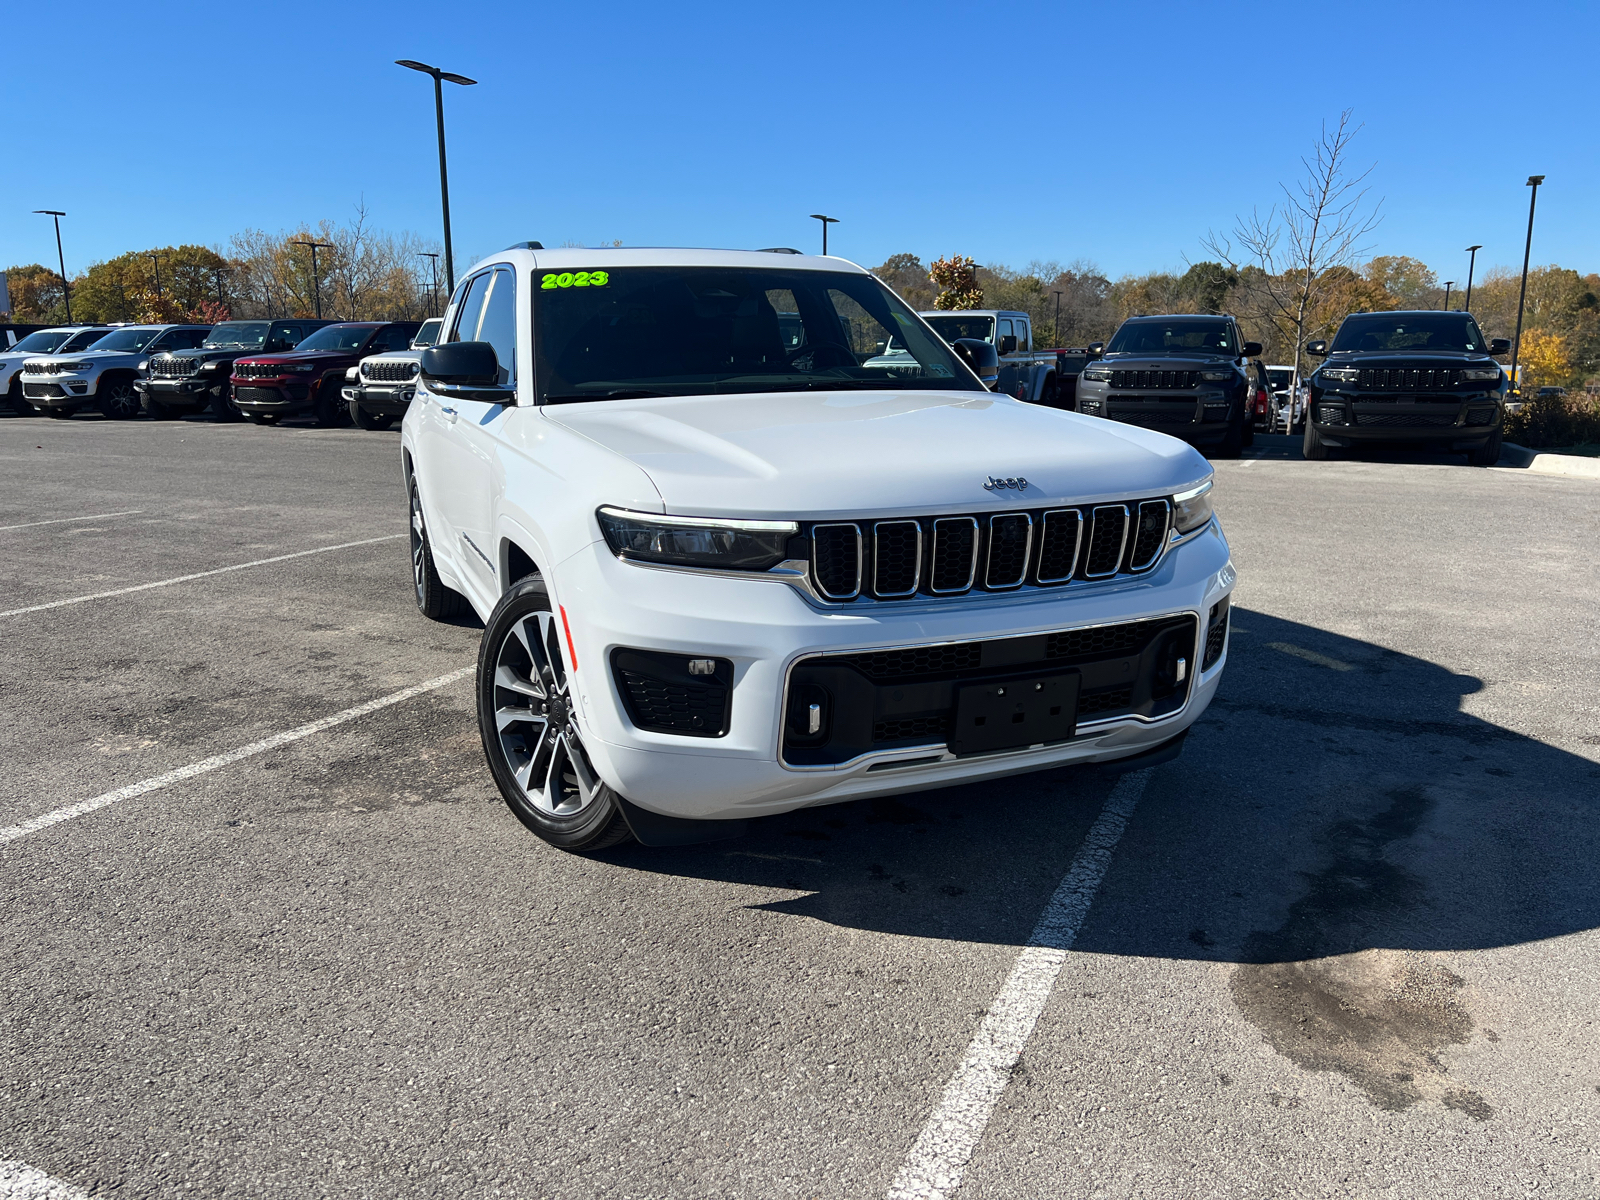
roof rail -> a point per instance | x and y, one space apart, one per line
524 246
777 250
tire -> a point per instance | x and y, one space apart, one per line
14 396
1312 446
117 400
1232 441
158 411
1487 454
434 600
369 421
531 737
1050 394
330 410
222 406
1250 434
264 418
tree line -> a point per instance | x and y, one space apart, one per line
361 274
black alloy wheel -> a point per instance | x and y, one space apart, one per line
1312 447
532 734
435 601
1488 454
118 400
330 407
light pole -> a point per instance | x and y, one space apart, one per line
826 221
1516 347
1448 284
220 272
433 295
66 291
1471 262
444 175
316 288
156 259
1057 330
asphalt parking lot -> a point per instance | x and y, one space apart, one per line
1345 946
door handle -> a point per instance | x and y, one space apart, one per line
449 413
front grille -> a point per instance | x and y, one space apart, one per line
912 727
1157 419
389 370
1165 380
43 368
253 395
258 370
1408 379
173 368
918 660
1405 420
1100 641
1095 703
947 556
42 391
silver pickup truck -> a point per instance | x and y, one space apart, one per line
1048 377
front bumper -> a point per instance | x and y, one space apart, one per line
57 391
272 395
765 629
1462 423
191 392
383 399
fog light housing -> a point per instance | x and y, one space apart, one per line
674 693
1330 414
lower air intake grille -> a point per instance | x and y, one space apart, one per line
918 660
661 695
1216 635
1099 641
1405 420
913 727
1099 702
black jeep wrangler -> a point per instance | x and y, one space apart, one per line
186 381
1186 375
1415 377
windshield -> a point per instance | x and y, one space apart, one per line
674 331
428 334
42 342
237 335
1378 332
78 341
1280 377
951 328
338 337
126 339
1175 336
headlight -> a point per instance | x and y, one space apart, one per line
301 368
1097 374
77 366
1216 376
213 365
696 541
1192 509
1484 373
1340 374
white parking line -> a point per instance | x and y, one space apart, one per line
934 1168
145 587
84 807
19 1181
63 520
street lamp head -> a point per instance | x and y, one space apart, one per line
825 220
1535 180
452 77
49 212
1477 247
416 66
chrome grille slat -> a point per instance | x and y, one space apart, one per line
1006 530
1108 538
1060 526
837 573
896 558
1150 534
955 545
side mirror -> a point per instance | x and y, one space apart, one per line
981 357
469 370
1250 350
1096 350
1008 344
1499 345
1319 348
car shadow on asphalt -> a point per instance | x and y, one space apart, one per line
1336 796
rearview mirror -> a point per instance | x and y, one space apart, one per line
1008 344
981 357
469 370
1096 349
1499 345
1318 348
1250 350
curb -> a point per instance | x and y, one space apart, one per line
1520 457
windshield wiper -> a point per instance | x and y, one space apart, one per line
613 394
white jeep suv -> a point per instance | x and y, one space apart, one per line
726 572
62 340
104 373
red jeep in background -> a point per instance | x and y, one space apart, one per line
267 387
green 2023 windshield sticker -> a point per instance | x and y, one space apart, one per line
576 279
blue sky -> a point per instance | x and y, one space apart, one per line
1118 133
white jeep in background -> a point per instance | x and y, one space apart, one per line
730 562
104 374
379 388
64 339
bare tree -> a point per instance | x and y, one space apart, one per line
1321 223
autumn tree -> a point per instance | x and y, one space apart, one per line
957 278
905 274
125 288
1409 281
35 295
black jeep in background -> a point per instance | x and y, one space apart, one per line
1182 375
187 381
1416 377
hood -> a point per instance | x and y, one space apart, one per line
1164 362
289 356
823 454
1422 359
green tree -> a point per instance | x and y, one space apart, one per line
1409 281
35 295
909 279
